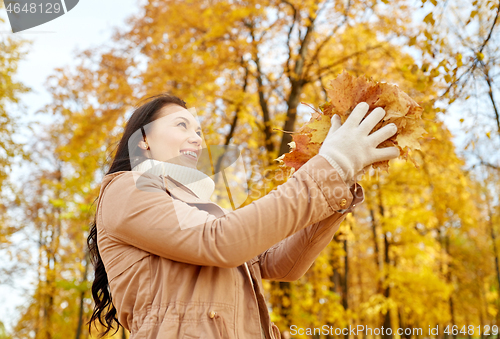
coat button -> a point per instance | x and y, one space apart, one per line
212 314
343 202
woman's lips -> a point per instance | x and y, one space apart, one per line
189 156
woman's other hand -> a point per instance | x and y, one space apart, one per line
349 146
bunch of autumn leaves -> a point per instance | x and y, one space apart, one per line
344 93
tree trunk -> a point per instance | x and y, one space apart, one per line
378 263
345 283
53 248
495 252
297 85
335 277
387 291
82 298
286 310
291 115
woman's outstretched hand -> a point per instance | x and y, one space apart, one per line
349 146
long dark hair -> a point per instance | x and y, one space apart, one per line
142 116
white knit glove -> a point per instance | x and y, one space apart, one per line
350 149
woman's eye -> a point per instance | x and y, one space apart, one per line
185 126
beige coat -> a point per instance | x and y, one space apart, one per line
180 267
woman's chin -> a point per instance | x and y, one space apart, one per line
183 161
188 161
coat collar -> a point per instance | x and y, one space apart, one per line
171 186
198 182
180 191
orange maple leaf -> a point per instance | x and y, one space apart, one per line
344 93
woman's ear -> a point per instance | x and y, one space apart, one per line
143 145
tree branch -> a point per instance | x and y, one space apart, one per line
491 29
295 18
476 60
325 41
262 100
339 61
490 94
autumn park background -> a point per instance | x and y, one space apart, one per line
423 249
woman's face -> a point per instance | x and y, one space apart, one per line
172 136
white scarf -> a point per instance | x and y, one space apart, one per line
198 182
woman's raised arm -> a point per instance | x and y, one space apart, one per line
290 259
150 219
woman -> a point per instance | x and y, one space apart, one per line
179 266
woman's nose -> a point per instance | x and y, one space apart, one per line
196 138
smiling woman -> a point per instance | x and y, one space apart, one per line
174 137
179 265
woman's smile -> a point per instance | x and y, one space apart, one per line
191 154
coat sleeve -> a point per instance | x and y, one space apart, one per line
290 259
145 216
